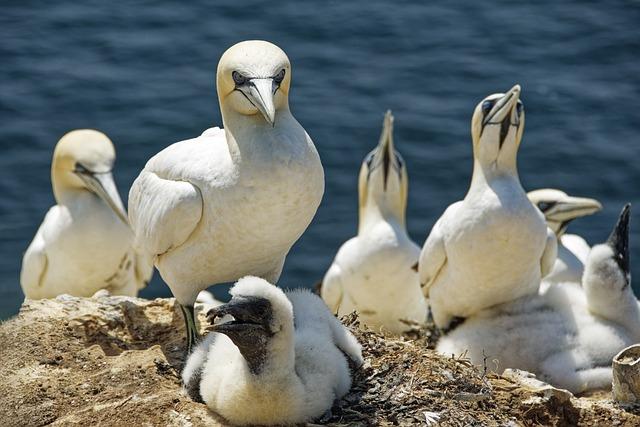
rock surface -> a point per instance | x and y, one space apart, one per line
115 361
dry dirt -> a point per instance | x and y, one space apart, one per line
114 361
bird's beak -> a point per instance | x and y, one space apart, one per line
619 240
261 94
571 208
385 145
103 186
504 108
248 314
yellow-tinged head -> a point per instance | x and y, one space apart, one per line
253 78
82 162
383 181
496 129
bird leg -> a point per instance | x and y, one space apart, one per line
192 332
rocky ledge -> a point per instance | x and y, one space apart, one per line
115 361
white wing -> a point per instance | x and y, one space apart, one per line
550 253
165 205
34 261
433 256
577 245
163 213
332 290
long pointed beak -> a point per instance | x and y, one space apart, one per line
619 239
103 186
261 93
573 207
504 107
385 145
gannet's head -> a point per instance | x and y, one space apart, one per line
254 78
82 161
496 128
262 320
607 266
560 209
383 179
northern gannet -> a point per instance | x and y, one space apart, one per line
372 272
559 210
232 201
262 368
84 243
567 335
494 245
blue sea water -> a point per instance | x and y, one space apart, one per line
143 72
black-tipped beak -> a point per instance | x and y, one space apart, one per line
619 239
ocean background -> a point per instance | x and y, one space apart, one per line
144 73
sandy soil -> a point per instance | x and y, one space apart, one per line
114 361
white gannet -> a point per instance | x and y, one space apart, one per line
84 243
559 210
567 335
372 272
281 359
232 201
494 245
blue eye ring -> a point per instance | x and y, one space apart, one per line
279 77
545 206
487 106
238 78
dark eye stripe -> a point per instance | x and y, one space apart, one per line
486 107
238 78
278 78
545 206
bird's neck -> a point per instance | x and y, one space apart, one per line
484 174
279 357
372 214
251 137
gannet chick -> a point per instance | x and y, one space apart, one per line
372 272
559 210
494 245
84 243
567 335
281 360
607 279
231 202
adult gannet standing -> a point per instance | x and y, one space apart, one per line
559 210
262 368
232 201
372 272
494 245
84 243
567 335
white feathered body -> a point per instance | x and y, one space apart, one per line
226 214
553 335
373 275
494 241
80 248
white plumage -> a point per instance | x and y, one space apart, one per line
84 243
566 335
372 273
494 245
282 360
232 201
559 210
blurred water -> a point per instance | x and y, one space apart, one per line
144 74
